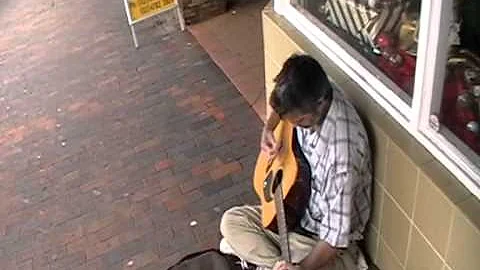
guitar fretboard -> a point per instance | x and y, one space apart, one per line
282 224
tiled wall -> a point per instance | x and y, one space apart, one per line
422 217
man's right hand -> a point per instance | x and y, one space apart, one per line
268 143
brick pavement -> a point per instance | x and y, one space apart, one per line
234 40
107 153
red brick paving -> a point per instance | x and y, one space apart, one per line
107 153
235 43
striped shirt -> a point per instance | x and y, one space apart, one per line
339 156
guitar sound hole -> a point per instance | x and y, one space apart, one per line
277 181
267 184
270 185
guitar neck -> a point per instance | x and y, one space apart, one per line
282 224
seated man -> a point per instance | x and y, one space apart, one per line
334 142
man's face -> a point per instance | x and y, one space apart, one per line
307 120
300 119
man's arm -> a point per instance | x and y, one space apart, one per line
319 257
268 143
336 224
272 121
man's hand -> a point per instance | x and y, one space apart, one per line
268 143
283 265
320 256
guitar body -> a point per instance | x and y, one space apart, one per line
289 169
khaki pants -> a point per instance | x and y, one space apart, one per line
242 229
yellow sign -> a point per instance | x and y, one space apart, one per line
140 9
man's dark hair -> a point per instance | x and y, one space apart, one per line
299 86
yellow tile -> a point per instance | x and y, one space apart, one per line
276 43
379 143
421 255
471 209
447 267
446 181
271 69
433 213
378 195
302 45
268 91
357 96
378 112
386 259
409 145
394 228
401 177
371 240
463 252
416 151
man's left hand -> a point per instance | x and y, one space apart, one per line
282 265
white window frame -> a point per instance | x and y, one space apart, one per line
415 118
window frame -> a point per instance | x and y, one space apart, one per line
430 65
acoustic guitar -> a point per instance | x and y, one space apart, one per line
282 184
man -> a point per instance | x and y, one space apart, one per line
336 147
